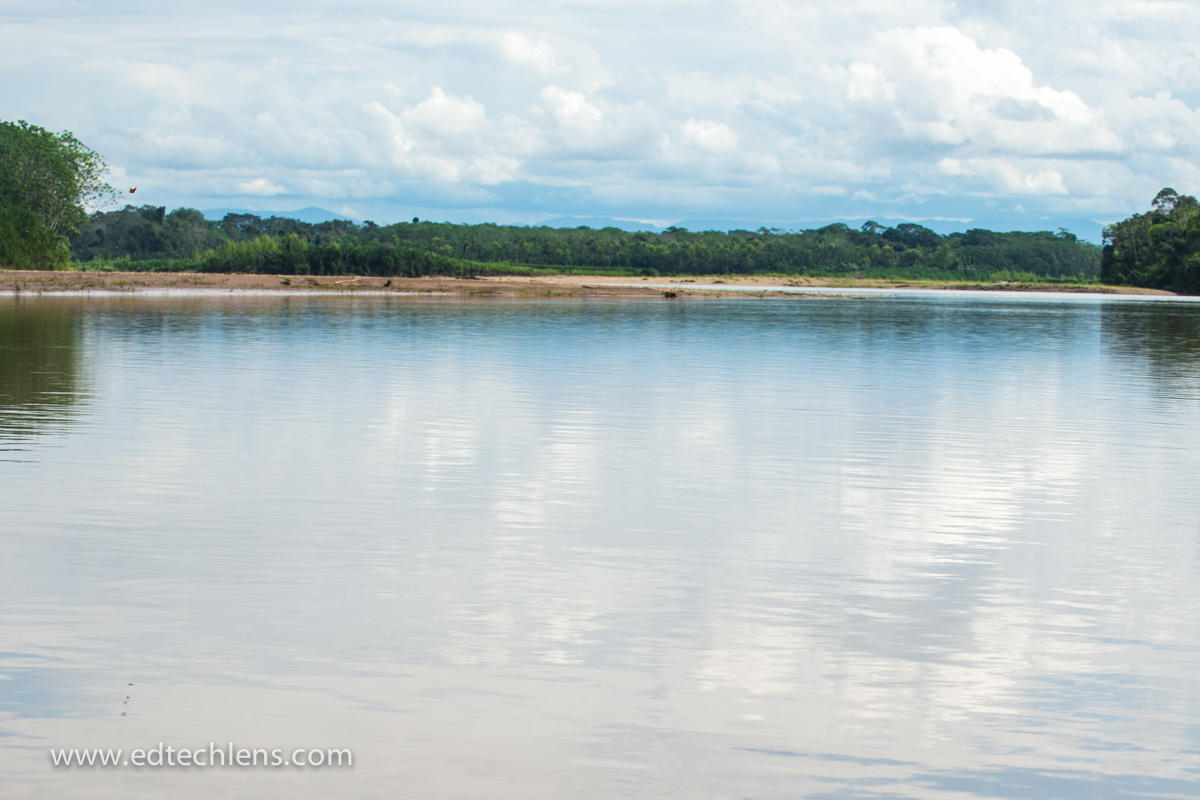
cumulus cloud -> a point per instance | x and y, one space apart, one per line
940 86
1013 178
522 52
763 109
447 117
260 186
446 139
572 111
715 137
579 126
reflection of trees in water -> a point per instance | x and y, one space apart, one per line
40 360
1161 338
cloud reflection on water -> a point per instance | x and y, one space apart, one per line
620 545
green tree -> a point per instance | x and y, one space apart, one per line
1165 201
46 179
1160 249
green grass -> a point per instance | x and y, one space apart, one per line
126 264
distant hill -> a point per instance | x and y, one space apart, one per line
597 223
312 215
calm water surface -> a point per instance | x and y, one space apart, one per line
918 546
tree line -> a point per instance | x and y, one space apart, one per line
151 237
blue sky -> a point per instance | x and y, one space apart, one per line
1024 114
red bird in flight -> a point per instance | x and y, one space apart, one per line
134 189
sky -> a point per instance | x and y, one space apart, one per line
1027 115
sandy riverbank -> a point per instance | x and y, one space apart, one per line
38 282
694 283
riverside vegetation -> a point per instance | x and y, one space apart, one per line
1159 249
150 238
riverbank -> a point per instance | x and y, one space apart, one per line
515 286
696 283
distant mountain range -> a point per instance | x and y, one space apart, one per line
597 223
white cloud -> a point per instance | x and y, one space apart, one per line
446 116
759 108
582 126
865 83
446 140
714 137
260 186
572 111
494 169
1006 177
522 52
942 87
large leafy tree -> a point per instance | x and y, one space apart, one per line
1160 248
46 180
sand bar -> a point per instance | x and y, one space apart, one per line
513 286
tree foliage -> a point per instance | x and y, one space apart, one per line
46 179
245 242
1159 249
